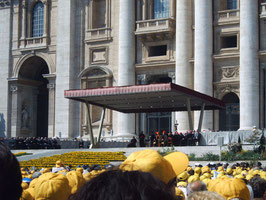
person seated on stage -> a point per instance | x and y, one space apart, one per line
10 175
133 142
170 139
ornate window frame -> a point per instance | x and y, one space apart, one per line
27 42
98 34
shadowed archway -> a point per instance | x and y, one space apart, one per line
34 98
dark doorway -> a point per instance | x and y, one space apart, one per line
229 117
31 73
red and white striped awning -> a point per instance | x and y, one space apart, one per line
162 97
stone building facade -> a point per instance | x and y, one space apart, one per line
217 47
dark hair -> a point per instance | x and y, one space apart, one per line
258 186
10 175
129 185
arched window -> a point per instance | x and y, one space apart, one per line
161 9
231 4
37 19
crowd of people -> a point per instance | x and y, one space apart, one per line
32 143
188 138
143 175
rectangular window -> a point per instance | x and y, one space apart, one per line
160 9
99 14
228 41
158 50
231 4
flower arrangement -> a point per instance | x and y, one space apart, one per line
76 158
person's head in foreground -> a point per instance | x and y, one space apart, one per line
205 195
230 188
259 187
119 185
10 175
196 186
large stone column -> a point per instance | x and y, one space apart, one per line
126 61
5 34
203 67
249 67
66 111
183 69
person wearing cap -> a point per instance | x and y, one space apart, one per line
58 166
165 168
124 185
230 188
10 175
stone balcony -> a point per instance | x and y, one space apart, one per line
228 17
155 29
99 34
34 43
263 10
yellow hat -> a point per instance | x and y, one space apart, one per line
180 193
255 172
238 170
27 194
229 171
45 170
165 168
229 188
239 176
75 180
205 169
24 185
189 169
220 169
197 170
207 175
58 164
193 178
33 182
249 176
222 173
182 184
202 177
183 176
206 181
80 170
52 186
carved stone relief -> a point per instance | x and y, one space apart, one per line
227 73
99 56
222 89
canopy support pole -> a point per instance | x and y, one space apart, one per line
201 117
89 125
100 127
189 114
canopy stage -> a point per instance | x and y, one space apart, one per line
161 97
